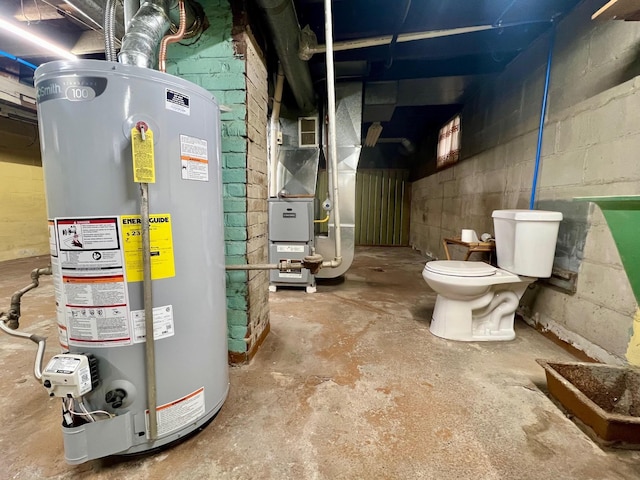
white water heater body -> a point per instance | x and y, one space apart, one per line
87 110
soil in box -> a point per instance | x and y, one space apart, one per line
604 397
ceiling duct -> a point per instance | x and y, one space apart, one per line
285 31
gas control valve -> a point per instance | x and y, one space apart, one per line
70 375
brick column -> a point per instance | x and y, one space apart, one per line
227 61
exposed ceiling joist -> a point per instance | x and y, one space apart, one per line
619 10
37 12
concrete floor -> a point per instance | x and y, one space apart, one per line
349 384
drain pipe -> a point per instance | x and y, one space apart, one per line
332 140
543 112
273 129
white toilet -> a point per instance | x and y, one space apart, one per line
476 301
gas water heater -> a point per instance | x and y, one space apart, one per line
90 112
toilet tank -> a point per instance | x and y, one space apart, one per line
526 241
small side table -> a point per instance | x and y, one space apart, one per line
472 247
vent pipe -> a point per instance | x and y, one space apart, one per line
285 31
144 34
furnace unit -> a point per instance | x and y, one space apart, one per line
291 238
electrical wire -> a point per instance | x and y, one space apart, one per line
29 22
86 413
68 408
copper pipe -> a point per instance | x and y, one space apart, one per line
176 37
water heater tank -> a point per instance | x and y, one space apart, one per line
87 110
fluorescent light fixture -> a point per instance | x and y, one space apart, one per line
373 133
36 40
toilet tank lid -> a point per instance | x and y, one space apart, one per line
529 215
458 268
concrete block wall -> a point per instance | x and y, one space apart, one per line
590 144
226 61
23 213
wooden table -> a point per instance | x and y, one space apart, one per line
472 247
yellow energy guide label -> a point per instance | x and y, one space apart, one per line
161 239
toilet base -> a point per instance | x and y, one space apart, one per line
487 318
492 336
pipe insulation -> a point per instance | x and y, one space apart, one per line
274 127
285 30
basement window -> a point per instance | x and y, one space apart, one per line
307 132
449 143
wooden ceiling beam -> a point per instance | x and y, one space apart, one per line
628 10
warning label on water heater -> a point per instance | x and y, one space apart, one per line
162 323
195 159
177 102
175 415
90 285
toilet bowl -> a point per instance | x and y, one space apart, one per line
477 301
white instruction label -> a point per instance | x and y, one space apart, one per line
63 364
195 159
290 275
177 102
290 248
162 323
175 415
53 243
61 319
92 284
85 380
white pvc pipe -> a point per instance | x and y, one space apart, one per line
333 150
387 39
273 130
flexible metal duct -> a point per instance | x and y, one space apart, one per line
147 26
285 32
144 33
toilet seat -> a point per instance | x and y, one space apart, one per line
458 268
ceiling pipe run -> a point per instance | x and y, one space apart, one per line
309 43
285 31
93 11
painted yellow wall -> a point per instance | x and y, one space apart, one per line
23 218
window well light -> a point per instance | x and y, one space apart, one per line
36 40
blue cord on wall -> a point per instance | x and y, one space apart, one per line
543 112
18 59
